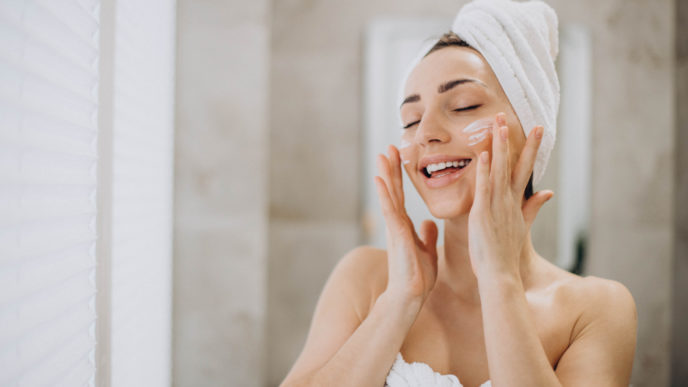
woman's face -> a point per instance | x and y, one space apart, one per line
451 98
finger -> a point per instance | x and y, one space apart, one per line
428 235
384 171
482 180
500 156
397 179
390 214
526 161
533 205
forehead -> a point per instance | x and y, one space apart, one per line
449 63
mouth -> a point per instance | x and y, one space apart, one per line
443 168
440 171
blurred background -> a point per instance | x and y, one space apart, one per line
178 180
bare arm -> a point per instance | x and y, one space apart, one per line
498 225
340 349
602 347
601 352
603 341
514 352
602 344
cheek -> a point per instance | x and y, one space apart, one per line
484 145
408 150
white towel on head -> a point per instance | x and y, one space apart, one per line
520 42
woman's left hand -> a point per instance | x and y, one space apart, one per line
499 220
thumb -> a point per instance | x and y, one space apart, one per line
428 235
532 206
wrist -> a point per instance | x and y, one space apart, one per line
399 305
499 278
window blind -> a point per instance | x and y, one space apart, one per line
48 156
141 197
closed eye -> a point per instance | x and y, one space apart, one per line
467 108
456 110
411 124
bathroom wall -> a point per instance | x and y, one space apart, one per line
633 160
221 194
679 363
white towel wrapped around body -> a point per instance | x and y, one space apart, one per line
519 40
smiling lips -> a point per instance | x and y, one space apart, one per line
436 169
442 170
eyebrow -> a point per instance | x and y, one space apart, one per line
443 88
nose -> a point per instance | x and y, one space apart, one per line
431 129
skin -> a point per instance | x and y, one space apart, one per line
484 305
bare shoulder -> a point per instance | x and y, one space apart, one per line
364 271
605 301
603 330
587 304
594 297
591 295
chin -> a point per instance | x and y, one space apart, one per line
450 202
452 198
449 208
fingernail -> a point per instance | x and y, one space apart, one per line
538 132
504 132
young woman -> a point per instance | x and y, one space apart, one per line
483 308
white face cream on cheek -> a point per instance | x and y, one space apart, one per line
479 130
403 144
478 137
483 123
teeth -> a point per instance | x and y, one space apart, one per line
440 166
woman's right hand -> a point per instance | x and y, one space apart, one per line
411 257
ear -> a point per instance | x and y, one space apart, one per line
532 206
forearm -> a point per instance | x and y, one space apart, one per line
367 356
514 352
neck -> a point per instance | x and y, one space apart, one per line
455 268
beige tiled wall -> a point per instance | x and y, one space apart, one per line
221 204
680 305
633 169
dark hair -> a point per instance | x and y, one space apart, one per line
529 188
450 39
447 40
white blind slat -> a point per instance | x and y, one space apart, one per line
63 357
70 327
32 202
49 273
48 159
49 63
